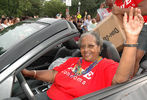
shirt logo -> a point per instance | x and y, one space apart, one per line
128 1
88 75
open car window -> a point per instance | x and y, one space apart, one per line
16 33
43 63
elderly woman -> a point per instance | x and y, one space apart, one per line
82 75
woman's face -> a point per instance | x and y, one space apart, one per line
89 49
109 2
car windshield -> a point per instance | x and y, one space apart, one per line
16 33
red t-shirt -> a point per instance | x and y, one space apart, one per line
129 3
66 87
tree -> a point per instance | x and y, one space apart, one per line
14 7
51 8
35 8
24 7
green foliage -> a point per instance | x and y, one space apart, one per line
35 7
19 8
24 6
51 8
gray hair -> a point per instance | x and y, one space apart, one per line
99 40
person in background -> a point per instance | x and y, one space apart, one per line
16 20
10 21
104 12
109 3
4 22
68 17
75 20
102 5
78 24
92 25
79 76
87 22
1 27
58 16
122 6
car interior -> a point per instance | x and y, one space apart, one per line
69 48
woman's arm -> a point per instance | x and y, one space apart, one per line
132 28
44 75
143 6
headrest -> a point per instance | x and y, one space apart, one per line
109 51
71 44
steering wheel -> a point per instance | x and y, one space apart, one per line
24 85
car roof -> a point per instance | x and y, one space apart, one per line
44 20
54 26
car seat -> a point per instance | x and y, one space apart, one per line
71 44
143 65
68 48
109 51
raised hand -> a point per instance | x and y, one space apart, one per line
133 24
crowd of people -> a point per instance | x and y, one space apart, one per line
83 24
87 22
8 21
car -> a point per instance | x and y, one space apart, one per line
28 43
35 44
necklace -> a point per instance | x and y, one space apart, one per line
78 68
